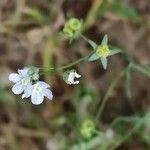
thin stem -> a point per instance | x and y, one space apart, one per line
108 94
126 137
87 40
142 69
75 62
69 65
124 119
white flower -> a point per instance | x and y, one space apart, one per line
40 89
109 133
22 82
71 77
26 82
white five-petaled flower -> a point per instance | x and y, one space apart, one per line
71 77
40 89
22 82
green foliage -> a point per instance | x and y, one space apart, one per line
143 69
127 12
128 82
118 7
35 14
145 130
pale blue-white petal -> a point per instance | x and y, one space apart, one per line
48 94
14 77
43 84
28 91
37 99
17 89
23 72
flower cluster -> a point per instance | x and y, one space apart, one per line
72 28
27 80
27 83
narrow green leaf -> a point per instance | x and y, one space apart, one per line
127 12
128 83
105 40
93 44
143 69
93 57
104 62
114 51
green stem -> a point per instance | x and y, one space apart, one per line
131 119
126 137
108 94
69 65
75 62
83 37
142 69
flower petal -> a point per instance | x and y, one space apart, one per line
77 75
17 89
43 84
75 82
37 99
48 94
71 77
14 77
28 91
23 72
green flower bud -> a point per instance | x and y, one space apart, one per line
103 50
33 72
75 24
68 32
87 129
72 27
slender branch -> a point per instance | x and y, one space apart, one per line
82 36
71 64
75 62
108 94
126 137
130 119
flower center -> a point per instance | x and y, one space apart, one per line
37 89
25 81
103 51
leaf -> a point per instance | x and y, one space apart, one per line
93 57
35 14
114 51
93 44
104 62
105 40
143 69
128 82
126 11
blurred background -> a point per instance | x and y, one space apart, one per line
30 35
